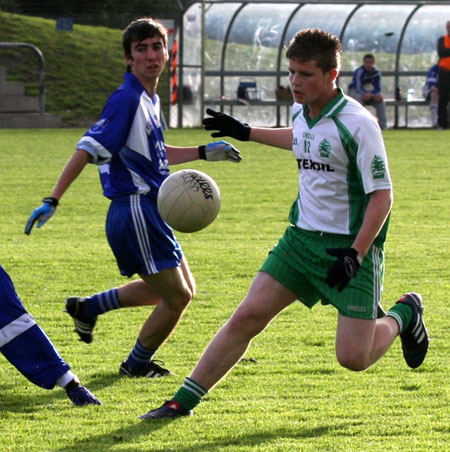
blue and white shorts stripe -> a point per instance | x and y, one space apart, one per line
22 341
14 319
139 238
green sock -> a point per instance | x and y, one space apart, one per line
190 394
403 313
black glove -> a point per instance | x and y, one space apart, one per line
226 125
345 268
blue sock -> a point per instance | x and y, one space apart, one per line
139 356
102 302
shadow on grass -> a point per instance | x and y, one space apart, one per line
14 402
101 381
131 433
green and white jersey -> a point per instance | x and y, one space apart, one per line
341 159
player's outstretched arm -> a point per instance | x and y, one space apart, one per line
212 152
70 172
279 137
227 125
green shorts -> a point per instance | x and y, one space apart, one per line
299 262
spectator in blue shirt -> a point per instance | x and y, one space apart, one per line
431 93
366 88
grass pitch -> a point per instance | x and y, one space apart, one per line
292 395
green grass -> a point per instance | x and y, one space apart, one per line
82 67
295 397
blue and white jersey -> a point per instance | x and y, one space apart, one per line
432 79
127 142
365 81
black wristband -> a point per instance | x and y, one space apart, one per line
246 131
202 152
52 201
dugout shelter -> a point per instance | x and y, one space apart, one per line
222 45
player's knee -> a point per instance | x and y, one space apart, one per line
186 297
179 300
356 362
378 98
247 323
193 289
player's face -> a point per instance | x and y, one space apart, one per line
310 85
148 58
369 64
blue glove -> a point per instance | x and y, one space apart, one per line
81 395
219 150
344 268
41 214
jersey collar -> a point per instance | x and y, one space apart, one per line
330 110
137 85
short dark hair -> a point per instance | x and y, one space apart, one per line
368 56
141 29
318 45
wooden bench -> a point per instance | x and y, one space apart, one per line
406 104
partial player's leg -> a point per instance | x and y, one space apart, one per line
361 342
85 311
176 293
356 95
176 288
26 346
444 96
142 244
266 298
433 104
408 312
361 338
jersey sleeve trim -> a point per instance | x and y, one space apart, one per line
100 155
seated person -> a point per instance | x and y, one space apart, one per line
366 88
431 93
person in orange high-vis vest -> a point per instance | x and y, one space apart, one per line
443 48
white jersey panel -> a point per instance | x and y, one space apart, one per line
341 159
371 158
141 128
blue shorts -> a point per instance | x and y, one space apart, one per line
139 238
11 307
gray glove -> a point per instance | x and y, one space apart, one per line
219 150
